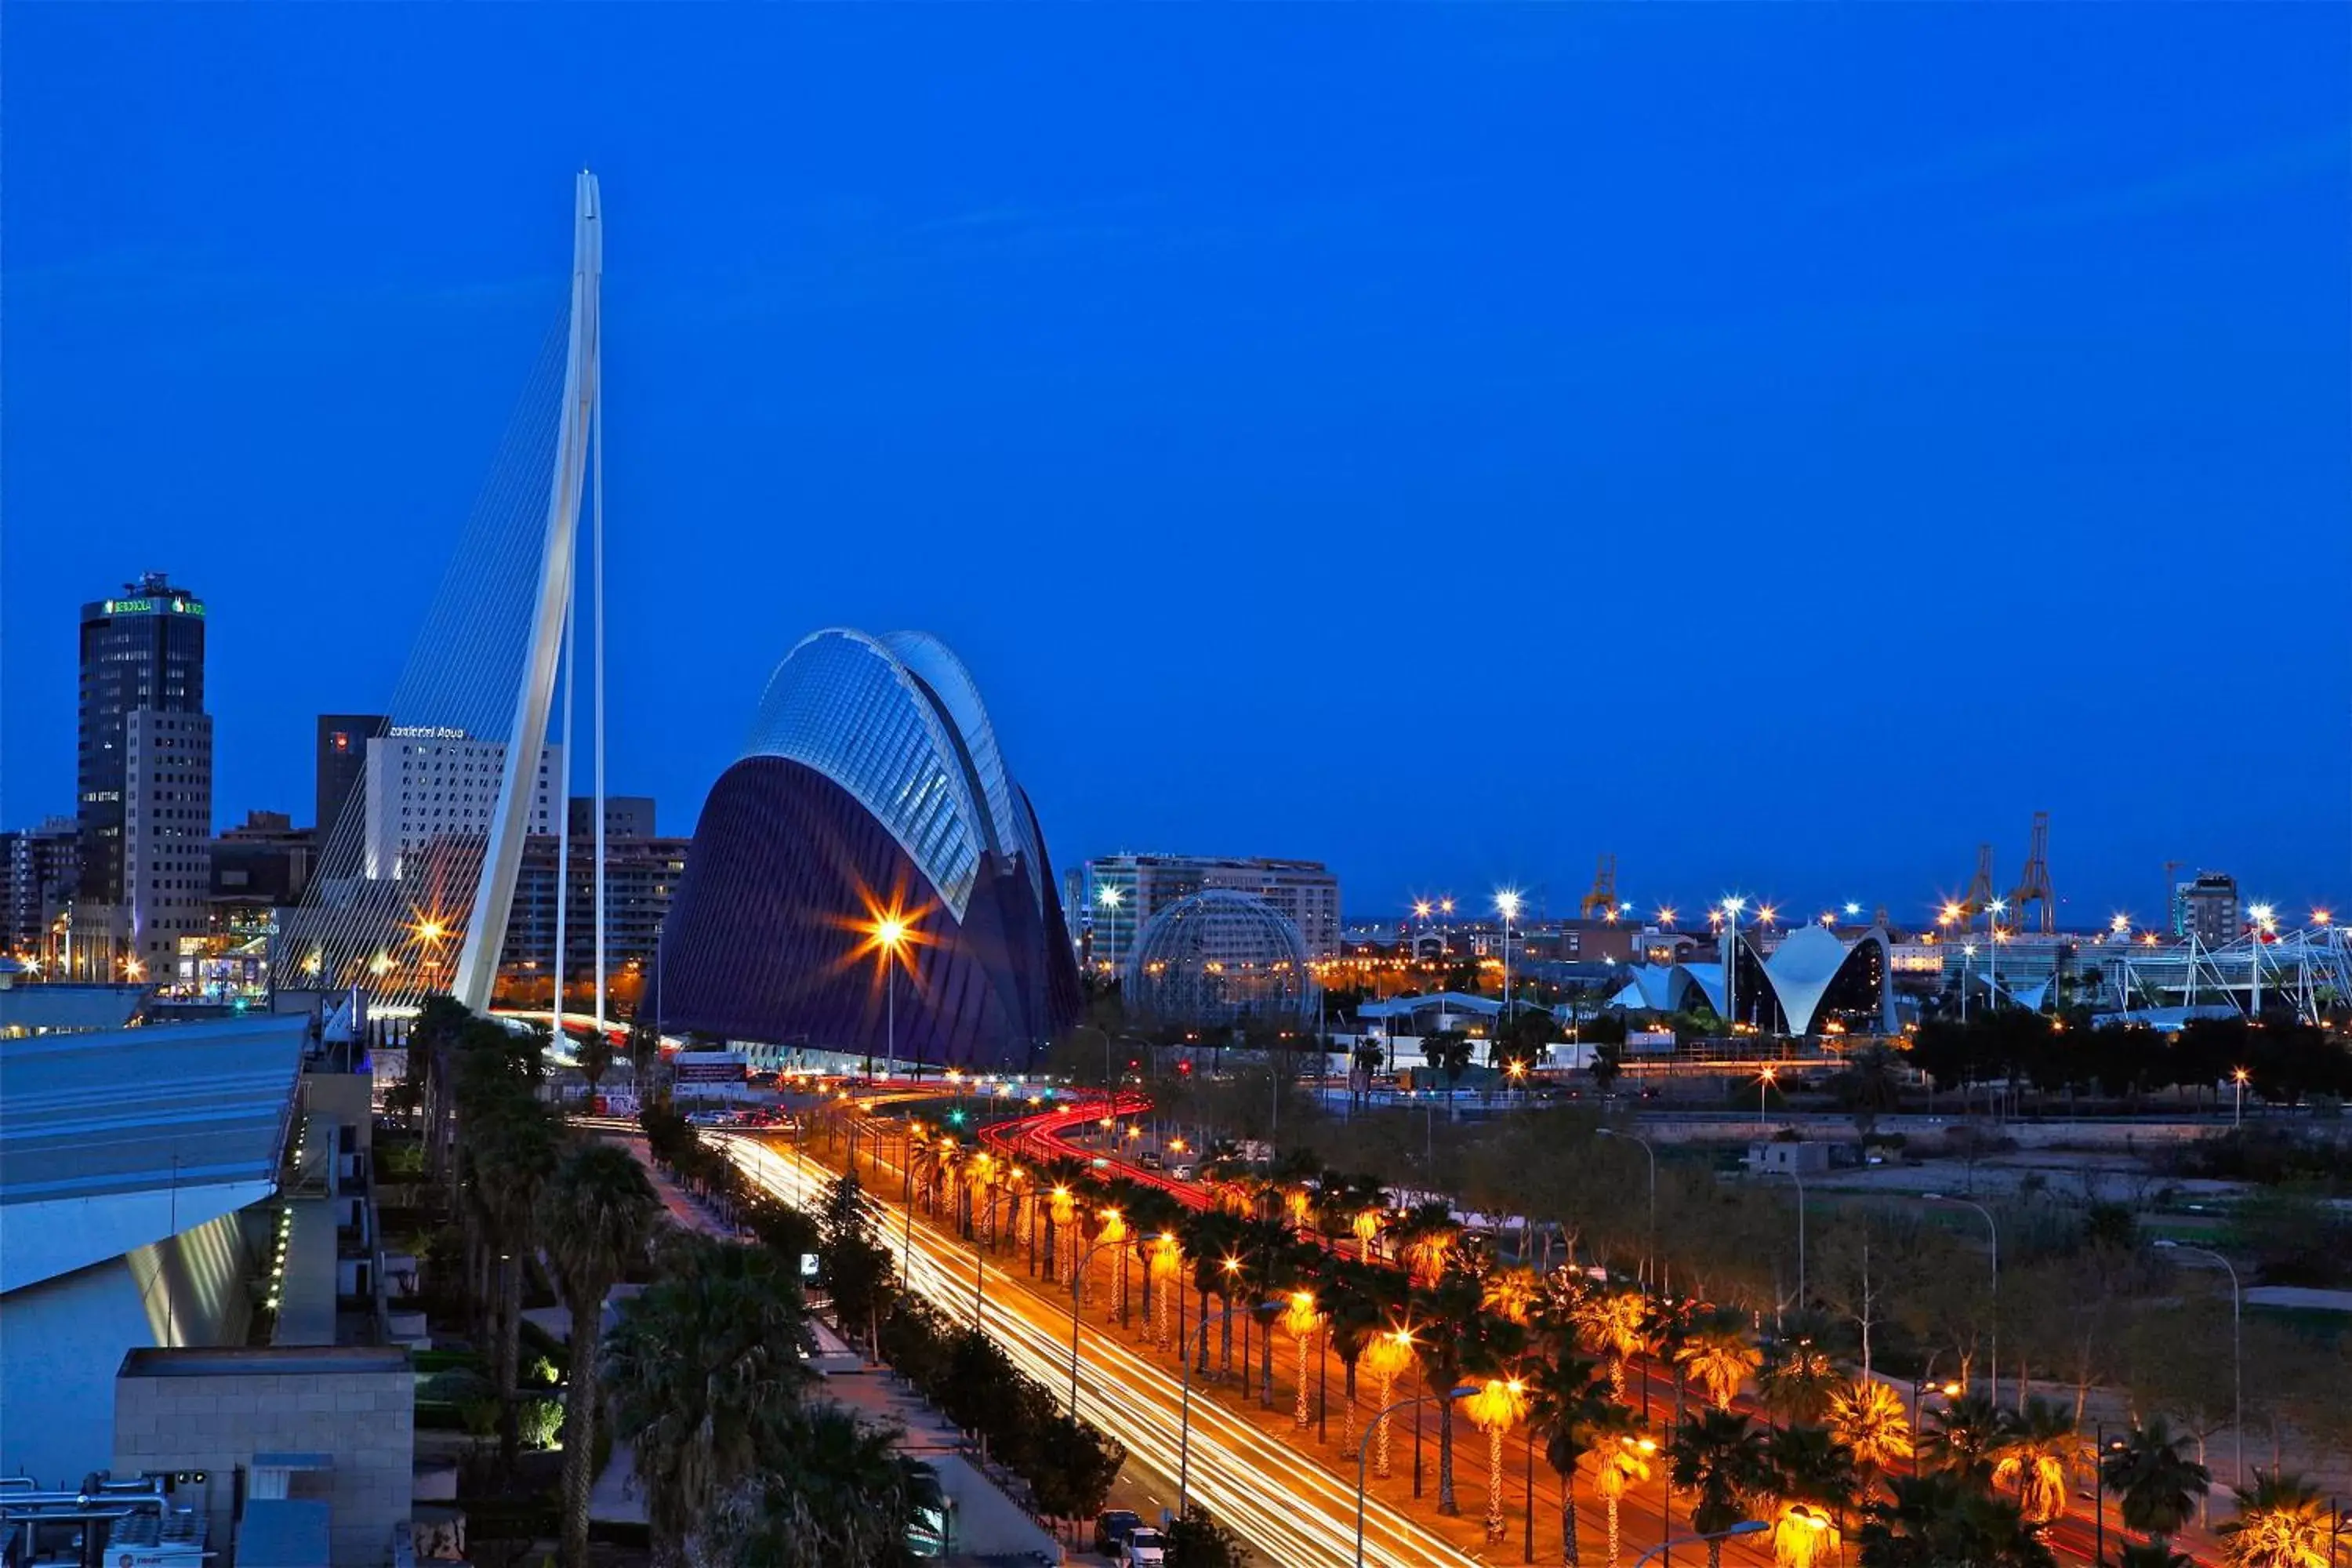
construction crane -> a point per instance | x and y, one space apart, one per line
1979 894
1602 902
2034 886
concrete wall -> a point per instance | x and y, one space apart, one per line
217 1421
62 1340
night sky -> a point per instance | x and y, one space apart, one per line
1780 445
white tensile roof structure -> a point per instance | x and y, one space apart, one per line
1799 976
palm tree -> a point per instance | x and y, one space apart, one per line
2035 1458
1614 1325
1458 1337
1797 1381
1866 1419
1963 1437
1716 1352
1355 1307
1814 1485
1271 1265
2157 1480
1717 1456
515 1151
1426 1240
704 1369
1570 1412
1388 1353
2283 1522
832 1492
597 1213
1495 1409
1514 1293
1302 1319
1622 1465
1938 1519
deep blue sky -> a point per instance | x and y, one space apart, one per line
1780 445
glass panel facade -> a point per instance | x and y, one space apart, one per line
843 705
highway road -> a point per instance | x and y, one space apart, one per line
1287 1506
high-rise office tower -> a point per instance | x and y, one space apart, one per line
167 832
41 866
144 650
343 765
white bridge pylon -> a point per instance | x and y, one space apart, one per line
581 422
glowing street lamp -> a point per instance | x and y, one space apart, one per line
1852 909
2238 1076
1507 904
890 936
1764 1081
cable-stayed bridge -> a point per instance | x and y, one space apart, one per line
416 876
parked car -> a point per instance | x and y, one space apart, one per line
1145 1548
1112 1528
1149 1159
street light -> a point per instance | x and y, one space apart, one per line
890 933
1078 1281
1791 1174
2238 1076
1997 909
1993 1373
1745 1527
1968 952
1184 1398
2237 1347
1649 1252
1763 1082
1463 1390
1507 904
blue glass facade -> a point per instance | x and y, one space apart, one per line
872 783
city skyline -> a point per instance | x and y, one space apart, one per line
2083 545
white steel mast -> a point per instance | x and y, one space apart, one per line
478 964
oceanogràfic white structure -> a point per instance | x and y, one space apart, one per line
1813 979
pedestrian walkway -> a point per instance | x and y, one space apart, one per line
986 1522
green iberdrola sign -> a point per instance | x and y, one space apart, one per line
149 606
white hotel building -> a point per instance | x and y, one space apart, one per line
426 783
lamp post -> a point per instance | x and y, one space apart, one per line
2238 1076
1184 1397
979 1259
1463 1390
1763 1082
1649 1251
1918 1397
1968 952
1745 1527
1108 899
1791 1174
890 933
1993 910
2237 1347
1078 1281
1507 904
1992 1372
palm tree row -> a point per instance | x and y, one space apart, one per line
702 1375
1413 1289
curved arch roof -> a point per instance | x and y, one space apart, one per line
897 722
951 687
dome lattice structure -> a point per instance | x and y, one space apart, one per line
1220 956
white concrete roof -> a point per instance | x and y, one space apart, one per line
110 1142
